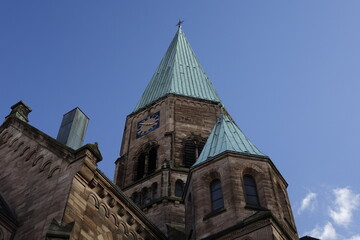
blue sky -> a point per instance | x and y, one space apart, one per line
287 71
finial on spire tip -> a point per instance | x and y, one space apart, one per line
180 22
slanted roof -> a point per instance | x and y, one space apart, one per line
179 73
226 136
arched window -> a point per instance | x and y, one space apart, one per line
136 198
192 150
179 188
146 163
152 160
217 202
145 196
154 191
251 194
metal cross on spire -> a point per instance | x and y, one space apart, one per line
180 22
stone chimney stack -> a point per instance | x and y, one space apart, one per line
73 128
20 110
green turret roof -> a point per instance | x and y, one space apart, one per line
179 73
226 136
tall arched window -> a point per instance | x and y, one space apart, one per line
179 188
192 150
146 163
154 191
140 169
145 196
217 202
136 198
251 194
152 160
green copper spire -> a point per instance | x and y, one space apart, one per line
179 73
226 136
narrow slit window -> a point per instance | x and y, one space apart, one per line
179 188
154 191
145 196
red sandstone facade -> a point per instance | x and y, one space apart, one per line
271 219
54 192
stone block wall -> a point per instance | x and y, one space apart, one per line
181 118
230 169
35 177
100 211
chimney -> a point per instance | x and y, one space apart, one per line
73 128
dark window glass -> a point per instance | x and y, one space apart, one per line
216 195
154 191
145 196
218 204
152 160
179 188
251 191
136 198
140 167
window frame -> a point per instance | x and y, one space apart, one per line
249 184
215 186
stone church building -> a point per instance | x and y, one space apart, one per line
185 171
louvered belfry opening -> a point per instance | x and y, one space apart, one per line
140 170
152 160
146 163
192 150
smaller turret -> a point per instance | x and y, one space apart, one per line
235 190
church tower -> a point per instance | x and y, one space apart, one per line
189 167
165 134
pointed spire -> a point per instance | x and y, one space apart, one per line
226 136
179 73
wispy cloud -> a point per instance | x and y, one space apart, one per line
345 203
308 202
327 232
356 237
